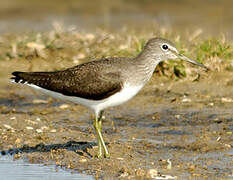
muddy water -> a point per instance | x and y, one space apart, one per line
178 128
18 170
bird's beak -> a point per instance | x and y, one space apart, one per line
180 56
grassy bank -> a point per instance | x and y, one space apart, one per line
64 47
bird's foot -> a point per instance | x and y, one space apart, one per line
100 155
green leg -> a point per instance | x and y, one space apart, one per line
106 153
101 145
100 152
99 124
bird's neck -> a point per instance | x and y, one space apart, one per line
148 57
146 62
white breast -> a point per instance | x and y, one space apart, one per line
124 95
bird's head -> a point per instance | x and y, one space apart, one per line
163 49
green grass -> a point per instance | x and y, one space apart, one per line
214 48
78 47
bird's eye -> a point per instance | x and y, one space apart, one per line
165 47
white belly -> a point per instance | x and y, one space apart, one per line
97 105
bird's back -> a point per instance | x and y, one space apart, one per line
93 80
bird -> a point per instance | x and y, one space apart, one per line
104 83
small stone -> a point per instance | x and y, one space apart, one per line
17 141
219 138
13 118
38 119
76 59
17 156
39 130
228 145
177 116
7 126
228 100
39 101
161 84
64 106
82 160
120 158
29 128
53 130
44 127
186 100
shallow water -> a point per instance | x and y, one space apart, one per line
19 170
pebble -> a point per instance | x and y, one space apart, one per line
228 145
82 160
17 141
7 126
39 130
226 100
29 128
39 101
53 130
64 106
186 100
44 127
211 104
177 116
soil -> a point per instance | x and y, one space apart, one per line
174 127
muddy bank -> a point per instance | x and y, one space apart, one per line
180 128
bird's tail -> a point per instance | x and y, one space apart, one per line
19 77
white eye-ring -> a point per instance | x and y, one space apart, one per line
164 47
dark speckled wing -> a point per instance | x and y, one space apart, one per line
88 81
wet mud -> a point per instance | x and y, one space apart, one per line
173 128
